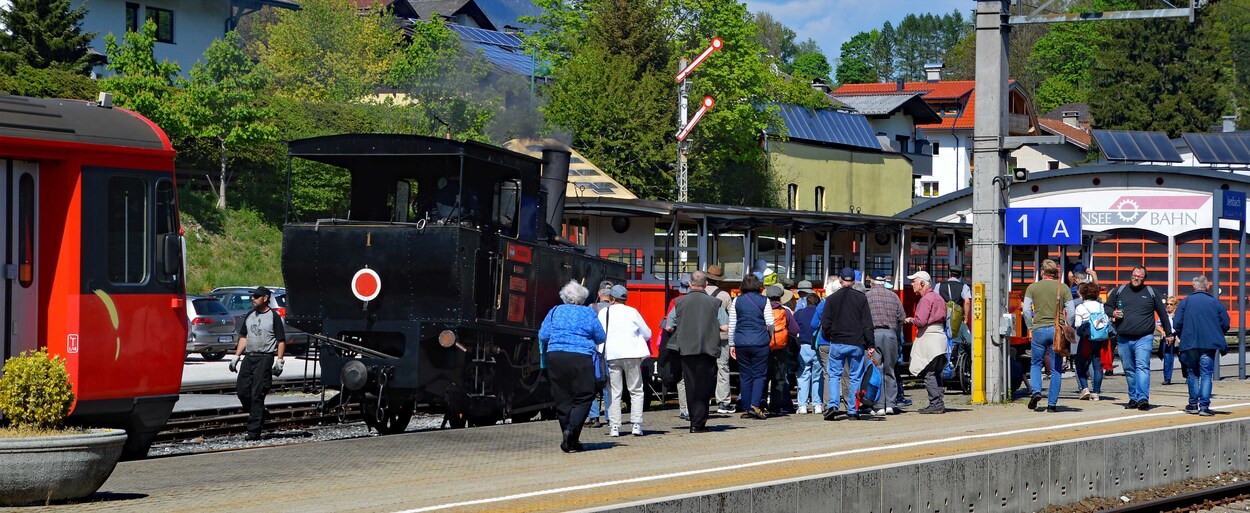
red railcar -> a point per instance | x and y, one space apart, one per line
93 261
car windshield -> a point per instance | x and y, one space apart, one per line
280 299
236 301
209 306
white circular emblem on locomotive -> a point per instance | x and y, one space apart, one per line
366 284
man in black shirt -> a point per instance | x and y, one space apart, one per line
1133 306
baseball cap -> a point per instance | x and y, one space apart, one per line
847 274
619 292
1079 268
605 284
683 284
262 291
921 275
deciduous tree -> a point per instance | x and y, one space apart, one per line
142 84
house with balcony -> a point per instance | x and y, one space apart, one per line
184 28
950 139
831 160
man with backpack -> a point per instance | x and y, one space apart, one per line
846 322
887 314
1133 308
958 298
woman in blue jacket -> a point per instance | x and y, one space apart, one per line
750 329
570 336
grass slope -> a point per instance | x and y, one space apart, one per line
234 247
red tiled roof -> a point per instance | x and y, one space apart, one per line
946 90
1080 136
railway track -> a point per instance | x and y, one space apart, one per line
183 426
1233 497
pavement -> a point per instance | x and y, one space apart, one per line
519 467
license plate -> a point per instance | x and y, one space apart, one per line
225 339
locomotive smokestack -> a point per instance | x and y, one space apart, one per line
555 180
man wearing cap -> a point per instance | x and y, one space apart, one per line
846 322
928 352
887 315
697 320
263 337
714 275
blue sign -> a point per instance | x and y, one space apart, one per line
1058 226
1234 206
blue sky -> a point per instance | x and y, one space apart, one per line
833 22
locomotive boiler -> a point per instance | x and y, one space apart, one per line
430 293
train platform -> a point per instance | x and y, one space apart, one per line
519 467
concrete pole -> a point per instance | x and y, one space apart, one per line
988 263
1217 210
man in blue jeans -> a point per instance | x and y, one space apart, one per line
1201 322
846 322
1043 301
1133 308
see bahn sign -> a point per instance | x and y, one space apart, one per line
1057 226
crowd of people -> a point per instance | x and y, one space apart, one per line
842 349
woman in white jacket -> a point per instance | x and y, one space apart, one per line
624 349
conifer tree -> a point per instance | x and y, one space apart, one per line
45 34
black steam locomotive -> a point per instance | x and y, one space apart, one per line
430 294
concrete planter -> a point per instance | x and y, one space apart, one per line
51 468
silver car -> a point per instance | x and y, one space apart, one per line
212 329
238 301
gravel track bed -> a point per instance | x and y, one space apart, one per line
1094 504
284 437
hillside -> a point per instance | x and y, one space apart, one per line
234 247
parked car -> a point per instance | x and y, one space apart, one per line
238 300
212 331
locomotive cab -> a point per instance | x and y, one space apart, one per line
462 268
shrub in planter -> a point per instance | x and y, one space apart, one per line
35 392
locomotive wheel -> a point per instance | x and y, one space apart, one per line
391 420
212 357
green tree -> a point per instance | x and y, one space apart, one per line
856 64
48 83
923 39
615 96
1172 81
45 34
222 103
142 84
1063 59
811 65
447 85
776 38
558 31
329 50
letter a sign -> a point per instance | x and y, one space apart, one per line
1057 226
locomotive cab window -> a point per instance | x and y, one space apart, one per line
167 239
128 233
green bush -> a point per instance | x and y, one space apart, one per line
35 391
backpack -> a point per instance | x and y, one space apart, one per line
781 332
1099 326
954 307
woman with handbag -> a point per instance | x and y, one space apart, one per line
569 336
1043 304
624 349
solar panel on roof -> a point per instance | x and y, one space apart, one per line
1221 148
507 59
828 126
1132 146
491 37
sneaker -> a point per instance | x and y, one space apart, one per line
1143 406
818 409
683 416
878 413
1206 413
1084 394
1132 405
1191 409
614 431
802 410
1052 409
1034 400
932 410
637 430
1167 382
1093 397
724 408
252 437
889 410
904 402
831 414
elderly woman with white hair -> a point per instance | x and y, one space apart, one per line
570 335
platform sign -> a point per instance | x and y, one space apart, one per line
1234 206
1043 226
